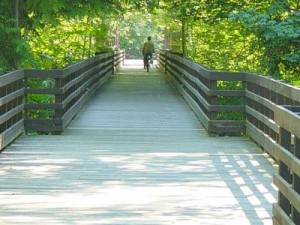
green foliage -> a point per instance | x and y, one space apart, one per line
261 36
278 32
69 41
12 48
134 28
221 46
37 83
223 100
29 27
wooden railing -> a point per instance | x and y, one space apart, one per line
287 151
52 107
271 119
11 107
204 91
71 88
274 124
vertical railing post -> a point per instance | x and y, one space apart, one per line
123 52
213 100
59 83
20 100
284 171
2 110
25 83
114 61
296 180
166 62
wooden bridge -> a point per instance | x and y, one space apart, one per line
131 150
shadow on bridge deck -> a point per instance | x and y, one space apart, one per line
136 154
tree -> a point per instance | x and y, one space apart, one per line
260 35
278 31
12 47
19 18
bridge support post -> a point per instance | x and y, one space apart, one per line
284 171
296 181
213 99
58 100
166 63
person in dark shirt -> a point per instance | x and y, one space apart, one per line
148 50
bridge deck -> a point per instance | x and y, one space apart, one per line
135 154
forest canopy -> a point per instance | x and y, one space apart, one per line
261 36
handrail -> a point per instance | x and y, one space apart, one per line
70 88
271 111
201 89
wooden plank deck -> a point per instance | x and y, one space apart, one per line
136 154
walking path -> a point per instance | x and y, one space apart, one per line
136 154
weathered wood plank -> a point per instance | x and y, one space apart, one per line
12 96
289 193
275 85
10 134
8 78
287 119
11 113
263 119
33 73
281 217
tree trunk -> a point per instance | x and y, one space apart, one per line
183 36
14 58
117 39
17 13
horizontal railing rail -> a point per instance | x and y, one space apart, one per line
47 100
271 111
